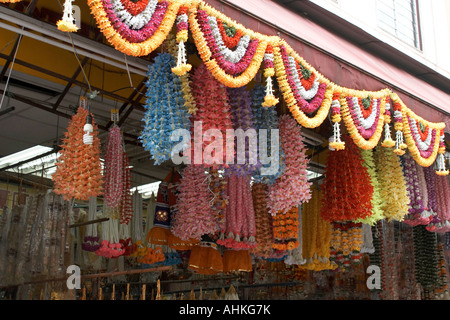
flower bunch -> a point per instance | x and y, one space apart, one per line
213 109
387 142
285 230
416 214
240 227
365 132
113 169
164 109
110 246
266 119
135 34
336 143
347 189
345 243
78 169
242 119
295 95
236 72
377 201
195 216
263 221
316 234
182 37
393 184
292 188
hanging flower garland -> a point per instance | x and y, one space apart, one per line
387 142
393 184
266 119
234 68
182 37
78 170
336 143
126 203
263 221
389 270
135 33
363 115
377 202
292 188
269 71
301 102
441 220
285 230
113 169
347 189
316 234
346 241
195 216
213 112
164 109
426 258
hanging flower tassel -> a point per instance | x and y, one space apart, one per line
269 72
388 142
67 24
182 37
398 126
441 170
336 143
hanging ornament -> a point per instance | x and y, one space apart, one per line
78 170
182 37
387 142
336 143
67 23
113 168
346 241
269 100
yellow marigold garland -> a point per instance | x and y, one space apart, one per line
392 182
140 48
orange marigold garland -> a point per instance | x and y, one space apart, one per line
347 189
345 243
78 170
285 230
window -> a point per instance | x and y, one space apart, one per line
400 18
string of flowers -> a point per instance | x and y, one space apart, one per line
376 256
127 198
365 132
441 291
393 184
347 189
134 7
389 263
440 222
285 230
189 101
292 188
287 74
377 202
140 41
387 142
269 71
230 35
233 75
78 172
213 111
316 235
266 119
113 168
195 216
345 244
408 287
398 125
219 202
182 37
336 142
164 109
263 221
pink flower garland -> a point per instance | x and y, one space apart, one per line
195 216
305 106
292 188
228 67
365 133
113 170
136 36
127 205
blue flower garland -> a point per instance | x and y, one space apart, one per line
164 109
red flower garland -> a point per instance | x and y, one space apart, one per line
230 42
134 7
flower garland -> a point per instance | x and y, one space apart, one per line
240 226
316 235
426 258
347 189
263 221
127 198
292 188
389 270
213 110
113 169
393 184
230 35
78 170
377 202
365 132
441 221
231 74
266 119
135 7
336 143
285 230
295 97
195 216
387 142
345 243
139 42
164 109
182 37
220 201
410 290
269 71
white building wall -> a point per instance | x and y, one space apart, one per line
434 18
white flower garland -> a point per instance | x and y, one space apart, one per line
306 94
229 55
365 123
423 145
138 21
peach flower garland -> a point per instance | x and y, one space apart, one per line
78 170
